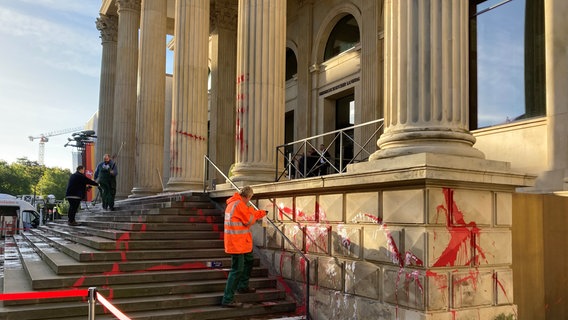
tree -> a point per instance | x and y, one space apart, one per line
23 176
13 179
54 181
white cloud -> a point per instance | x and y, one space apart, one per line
53 40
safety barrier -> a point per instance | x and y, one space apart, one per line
91 294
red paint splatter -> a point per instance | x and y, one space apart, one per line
462 235
192 136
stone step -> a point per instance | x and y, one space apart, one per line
62 263
198 225
191 205
43 277
83 253
114 234
176 306
96 242
135 290
144 215
252 311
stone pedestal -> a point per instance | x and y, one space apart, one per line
426 236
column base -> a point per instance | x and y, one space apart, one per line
252 173
139 192
424 140
178 185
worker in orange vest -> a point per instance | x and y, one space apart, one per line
239 218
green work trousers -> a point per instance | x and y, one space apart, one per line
107 183
241 267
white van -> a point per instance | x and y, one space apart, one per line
16 215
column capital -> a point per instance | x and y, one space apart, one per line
129 5
108 27
225 17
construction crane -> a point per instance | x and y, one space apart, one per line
44 137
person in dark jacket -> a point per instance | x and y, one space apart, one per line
76 191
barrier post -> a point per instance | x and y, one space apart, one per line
92 302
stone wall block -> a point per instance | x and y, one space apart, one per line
476 206
330 273
346 241
305 209
273 237
415 246
318 239
472 289
438 293
404 206
404 287
300 268
459 207
449 247
362 279
504 286
494 247
382 244
330 208
295 234
362 207
285 209
371 309
503 209
268 205
283 262
258 234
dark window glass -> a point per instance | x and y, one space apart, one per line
291 64
507 62
344 36
344 118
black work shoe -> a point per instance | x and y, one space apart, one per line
246 290
233 304
73 223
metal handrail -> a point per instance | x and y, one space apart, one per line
321 159
207 160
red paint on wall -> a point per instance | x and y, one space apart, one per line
462 235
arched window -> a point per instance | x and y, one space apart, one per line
344 36
291 64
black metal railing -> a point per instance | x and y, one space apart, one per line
312 156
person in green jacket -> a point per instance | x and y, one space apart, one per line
105 175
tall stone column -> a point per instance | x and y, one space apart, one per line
556 42
108 26
124 122
426 79
222 94
151 97
189 113
261 58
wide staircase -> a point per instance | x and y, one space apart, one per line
153 258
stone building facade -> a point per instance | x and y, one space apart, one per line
422 227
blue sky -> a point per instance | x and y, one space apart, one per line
49 74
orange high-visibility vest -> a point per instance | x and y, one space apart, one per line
238 219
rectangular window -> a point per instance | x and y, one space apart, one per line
506 62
